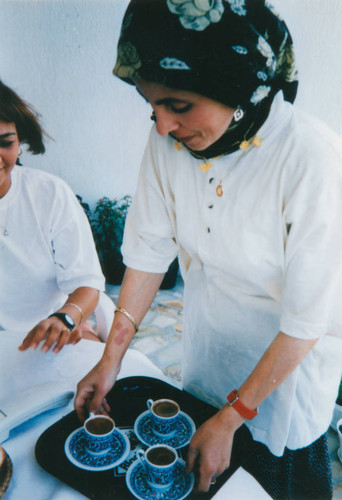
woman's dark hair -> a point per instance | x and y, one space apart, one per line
14 110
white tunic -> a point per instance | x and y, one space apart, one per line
49 251
264 257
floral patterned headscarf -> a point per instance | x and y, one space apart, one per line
237 52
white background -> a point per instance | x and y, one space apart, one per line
59 55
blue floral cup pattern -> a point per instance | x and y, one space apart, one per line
98 433
164 415
159 462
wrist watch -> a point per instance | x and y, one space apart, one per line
66 319
234 401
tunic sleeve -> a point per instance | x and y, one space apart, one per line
73 246
313 251
149 239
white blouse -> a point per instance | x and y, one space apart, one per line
49 251
264 257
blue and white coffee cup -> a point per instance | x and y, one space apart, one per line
164 415
159 462
339 433
98 433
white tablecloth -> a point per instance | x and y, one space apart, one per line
20 370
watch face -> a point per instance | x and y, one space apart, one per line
69 319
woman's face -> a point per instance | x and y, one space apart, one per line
9 149
190 118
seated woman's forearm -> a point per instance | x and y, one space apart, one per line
81 303
53 332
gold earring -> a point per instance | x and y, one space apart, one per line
153 116
20 150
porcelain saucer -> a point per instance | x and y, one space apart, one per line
78 455
185 428
138 486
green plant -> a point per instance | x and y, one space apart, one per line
107 224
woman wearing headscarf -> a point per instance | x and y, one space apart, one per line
246 190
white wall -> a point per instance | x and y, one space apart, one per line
315 26
59 55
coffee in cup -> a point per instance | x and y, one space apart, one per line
165 408
164 414
159 463
98 433
100 425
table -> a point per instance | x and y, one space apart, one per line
21 370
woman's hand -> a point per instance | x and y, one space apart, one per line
137 292
92 389
51 331
210 447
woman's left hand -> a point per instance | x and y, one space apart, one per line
211 445
51 331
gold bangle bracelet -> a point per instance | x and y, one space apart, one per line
129 316
78 308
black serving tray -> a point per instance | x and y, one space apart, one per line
127 400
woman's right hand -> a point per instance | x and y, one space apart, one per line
137 292
92 389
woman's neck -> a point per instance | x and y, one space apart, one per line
5 187
254 118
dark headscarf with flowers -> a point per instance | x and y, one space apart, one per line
237 52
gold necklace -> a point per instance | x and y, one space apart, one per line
207 165
219 189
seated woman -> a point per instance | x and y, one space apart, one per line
49 268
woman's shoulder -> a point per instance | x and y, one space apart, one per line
315 136
313 153
37 179
299 133
39 175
